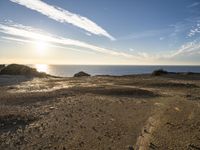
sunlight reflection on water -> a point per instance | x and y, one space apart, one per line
42 68
70 70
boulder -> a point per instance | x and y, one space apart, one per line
82 74
159 72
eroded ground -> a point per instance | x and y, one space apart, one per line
119 113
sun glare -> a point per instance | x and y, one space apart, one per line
41 67
41 47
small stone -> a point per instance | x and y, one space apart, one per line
64 148
130 147
51 108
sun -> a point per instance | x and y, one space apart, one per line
41 47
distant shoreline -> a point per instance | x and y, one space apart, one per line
112 70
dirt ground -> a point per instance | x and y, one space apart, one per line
138 112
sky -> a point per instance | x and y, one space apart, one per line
114 32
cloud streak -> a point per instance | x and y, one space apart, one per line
27 34
191 48
185 50
145 34
22 41
194 31
64 16
194 4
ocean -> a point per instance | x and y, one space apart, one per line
70 70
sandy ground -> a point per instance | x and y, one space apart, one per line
138 112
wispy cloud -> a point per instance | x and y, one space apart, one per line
140 54
22 41
185 50
131 49
88 34
190 48
179 28
194 4
145 34
64 16
26 34
194 31
161 38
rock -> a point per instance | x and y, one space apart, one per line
130 147
159 72
2 66
82 74
64 148
51 108
152 146
193 146
16 69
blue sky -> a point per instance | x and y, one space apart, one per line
100 32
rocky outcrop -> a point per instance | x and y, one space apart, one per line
159 72
82 74
1 67
16 69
